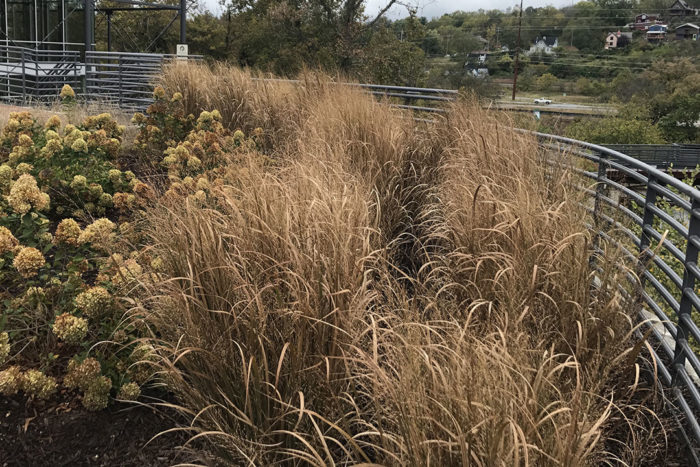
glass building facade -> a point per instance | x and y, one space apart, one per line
43 24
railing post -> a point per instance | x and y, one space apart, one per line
119 71
601 190
24 79
647 220
685 305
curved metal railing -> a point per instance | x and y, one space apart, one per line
639 207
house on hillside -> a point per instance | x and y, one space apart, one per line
681 9
643 21
657 32
688 31
544 44
617 39
478 57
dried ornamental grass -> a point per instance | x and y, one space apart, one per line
384 293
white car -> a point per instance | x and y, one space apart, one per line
542 100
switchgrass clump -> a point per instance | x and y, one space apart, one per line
377 291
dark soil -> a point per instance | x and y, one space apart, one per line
65 434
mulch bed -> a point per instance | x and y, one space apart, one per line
63 433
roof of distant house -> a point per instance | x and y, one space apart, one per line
548 40
683 4
657 28
694 26
628 35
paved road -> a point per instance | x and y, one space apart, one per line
564 107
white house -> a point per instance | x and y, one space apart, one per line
544 44
617 39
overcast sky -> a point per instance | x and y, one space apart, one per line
432 8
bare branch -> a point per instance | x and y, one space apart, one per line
381 12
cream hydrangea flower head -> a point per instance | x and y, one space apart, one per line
53 122
159 92
105 200
129 271
11 381
96 396
70 329
25 194
93 302
25 141
67 232
51 134
80 375
100 234
28 261
53 147
79 183
8 242
6 174
37 384
79 145
114 176
23 168
67 92
129 392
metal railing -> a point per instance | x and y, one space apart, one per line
28 75
678 156
124 79
657 226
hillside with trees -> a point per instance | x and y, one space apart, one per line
656 78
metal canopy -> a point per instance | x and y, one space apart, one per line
44 24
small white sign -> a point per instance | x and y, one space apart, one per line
182 51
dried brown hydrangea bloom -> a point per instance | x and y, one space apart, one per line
79 375
37 384
67 233
100 234
11 381
70 329
67 92
53 122
28 262
96 395
8 242
129 392
94 301
25 194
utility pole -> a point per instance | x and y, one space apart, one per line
183 21
517 50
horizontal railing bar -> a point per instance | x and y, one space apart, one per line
419 108
690 385
413 96
669 246
668 220
668 271
665 294
689 414
687 320
694 300
663 318
671 196
636 197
